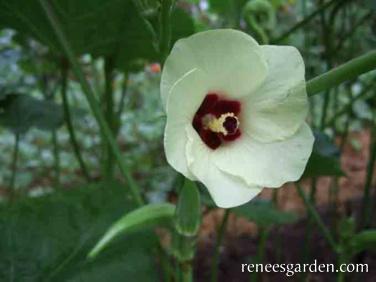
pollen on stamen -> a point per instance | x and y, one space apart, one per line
216 120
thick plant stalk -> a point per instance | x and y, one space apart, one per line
187 223
91 97
349 70
218 244
68 121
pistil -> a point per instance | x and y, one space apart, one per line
227 123
216 121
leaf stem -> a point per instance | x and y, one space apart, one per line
91 97
218 244
315 216
347 71
68 120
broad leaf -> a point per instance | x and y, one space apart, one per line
110 28
48 238
364 240
145 217
20 112
264 214
182 25
324 160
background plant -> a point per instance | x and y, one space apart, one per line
81 134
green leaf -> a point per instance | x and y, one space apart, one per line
188 210
264 214
20 112
145 217
324 160
364 240
110 28
182 25
48 238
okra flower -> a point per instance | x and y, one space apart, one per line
235 114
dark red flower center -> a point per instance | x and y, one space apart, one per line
216 120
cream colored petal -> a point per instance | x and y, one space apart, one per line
266 164
186 96
226 190
233 61
280 105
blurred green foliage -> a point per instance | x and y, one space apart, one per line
47 239
47 231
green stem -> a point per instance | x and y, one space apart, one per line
314 214
354 28
345 132
275 197
122 101
108 109
310 223
56 153
327 43
218 244
347 71
16 150
262 244
68 121
348 107
342 259
165 28
90 96
261 248
303 22
367 200
187 273
168 271
324 109
184 249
